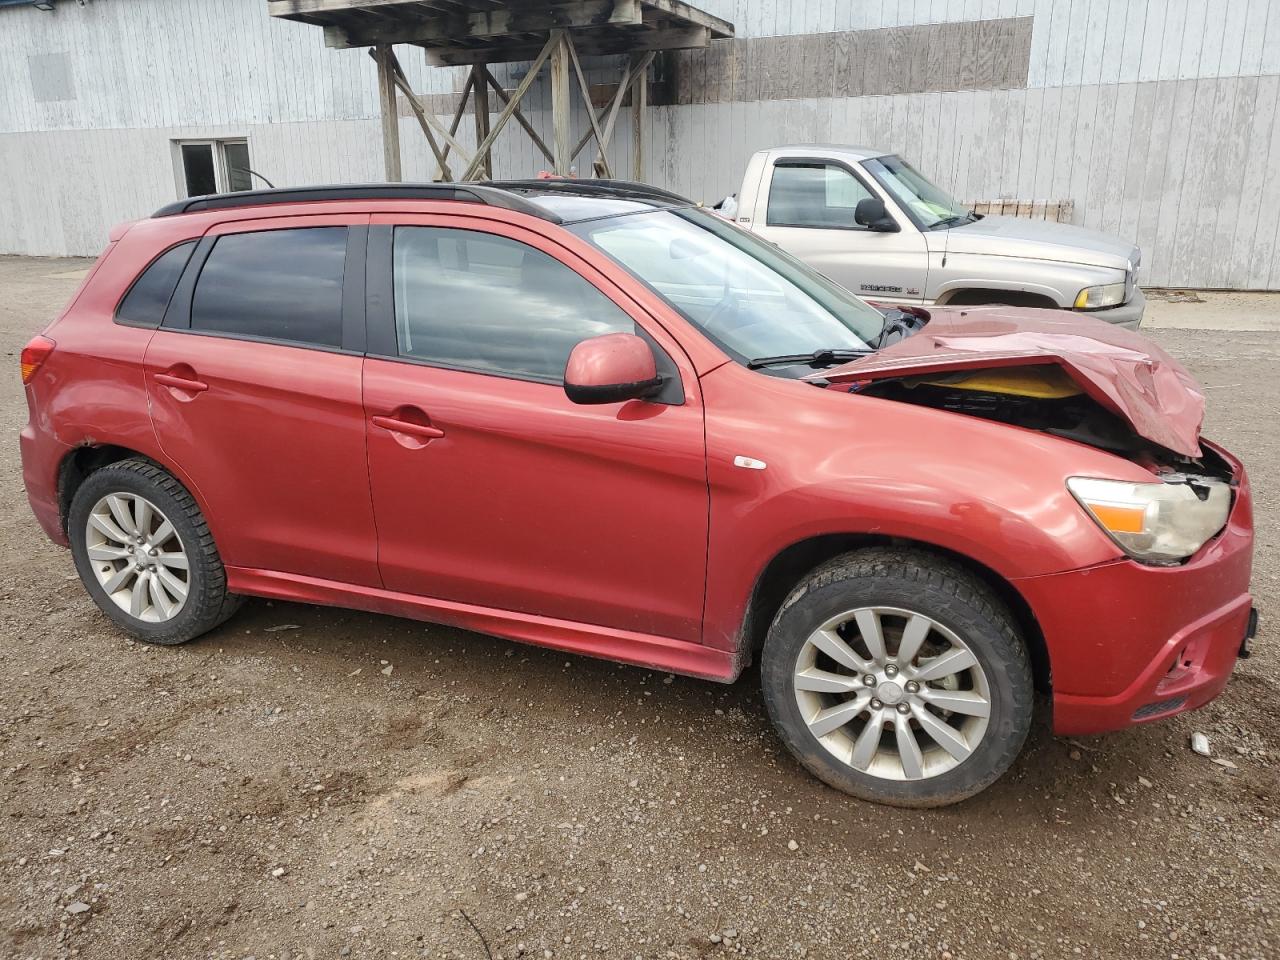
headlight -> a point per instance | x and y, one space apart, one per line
1107 295
1159 522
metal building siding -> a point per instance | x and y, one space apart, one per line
1157 117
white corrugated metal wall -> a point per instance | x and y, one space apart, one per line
1157 117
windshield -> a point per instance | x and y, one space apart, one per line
748 296
930 206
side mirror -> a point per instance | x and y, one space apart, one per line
871 213
610 369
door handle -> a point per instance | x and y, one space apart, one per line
396 425
181 383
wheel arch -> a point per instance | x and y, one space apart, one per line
976 296
791 564
83 460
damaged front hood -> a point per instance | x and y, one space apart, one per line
1124 372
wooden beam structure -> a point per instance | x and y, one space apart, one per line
385 56
520 118
490 24
639 96
554 34
442 170
560 101
592 45
480 85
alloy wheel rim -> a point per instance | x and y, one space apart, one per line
892 693
138 558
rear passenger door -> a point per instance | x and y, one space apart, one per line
491 487
254 380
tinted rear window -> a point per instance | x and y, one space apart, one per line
276 284
149 296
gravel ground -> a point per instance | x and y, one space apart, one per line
307 782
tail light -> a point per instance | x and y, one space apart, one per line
34 354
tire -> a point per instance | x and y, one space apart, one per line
909 594
170 617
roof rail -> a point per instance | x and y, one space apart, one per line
490 195
593 186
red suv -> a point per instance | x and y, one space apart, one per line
591 416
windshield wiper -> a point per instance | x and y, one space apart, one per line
817 358
959 219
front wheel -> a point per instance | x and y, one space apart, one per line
145 554
898 677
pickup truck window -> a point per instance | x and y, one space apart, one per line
821 195
744 293
928 205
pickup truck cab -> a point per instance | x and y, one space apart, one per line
872 223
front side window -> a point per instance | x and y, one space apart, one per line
487 303
818 195
274 284
744 293
148 298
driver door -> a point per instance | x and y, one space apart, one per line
806 207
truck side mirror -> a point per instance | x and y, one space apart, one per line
871 213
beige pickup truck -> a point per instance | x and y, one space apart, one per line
872 223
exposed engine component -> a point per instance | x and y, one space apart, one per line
1042 398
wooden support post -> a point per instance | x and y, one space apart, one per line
560 100
601 166
607 114
520 117
427 121
385 58
481 101
463 100
510 108
639 100
440 155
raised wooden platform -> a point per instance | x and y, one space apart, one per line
504 31
484 32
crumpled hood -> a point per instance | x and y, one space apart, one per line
1035 240
1125 372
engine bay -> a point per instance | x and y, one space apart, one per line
1044 398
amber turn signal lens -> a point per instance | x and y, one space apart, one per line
1119 519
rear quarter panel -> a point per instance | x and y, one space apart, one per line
91 391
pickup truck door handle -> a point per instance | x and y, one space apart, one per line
396 425
181 383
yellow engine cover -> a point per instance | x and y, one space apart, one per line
1041 382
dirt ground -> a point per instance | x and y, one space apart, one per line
270 791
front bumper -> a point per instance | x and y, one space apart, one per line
1130 643
1127 315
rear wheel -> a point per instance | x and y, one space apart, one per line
145 554
898 677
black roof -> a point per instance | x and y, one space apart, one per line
509 194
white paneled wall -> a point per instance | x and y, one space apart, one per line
1158 118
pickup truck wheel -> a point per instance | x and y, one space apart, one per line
145 554
899 678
